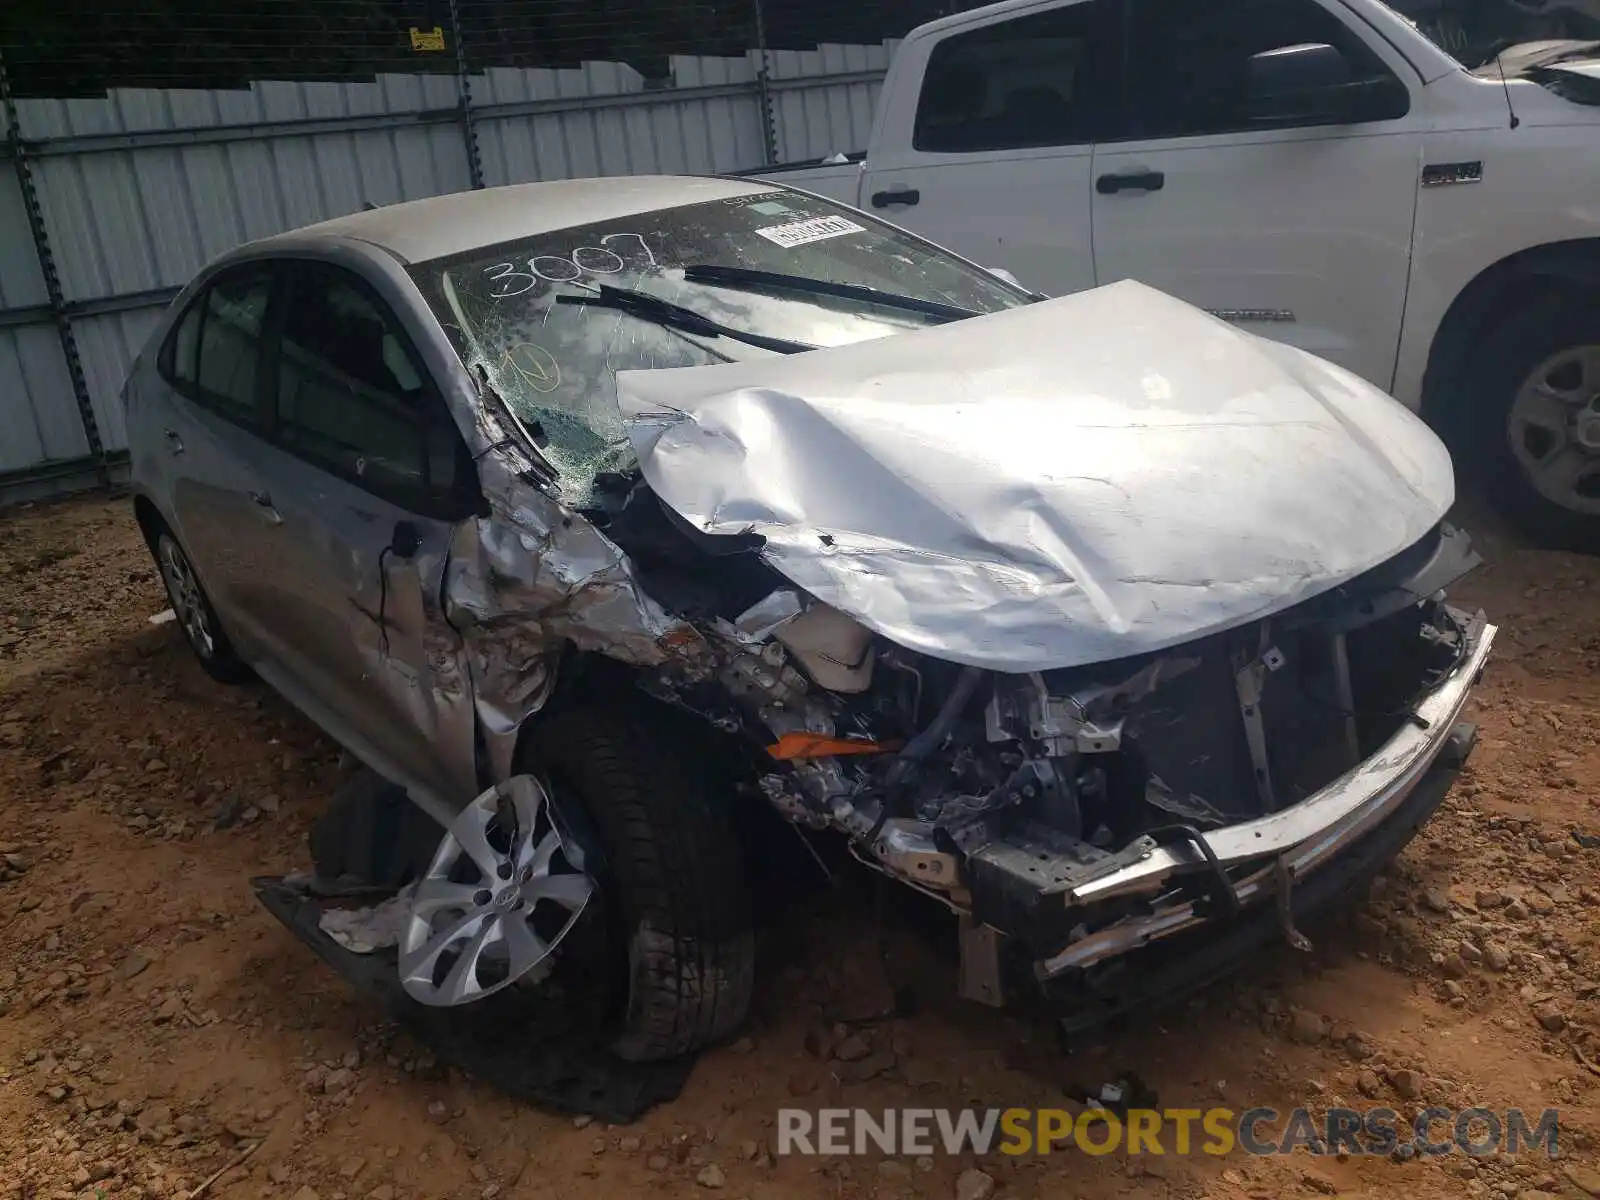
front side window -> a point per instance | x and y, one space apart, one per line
1191 67
351 396
511 314
1014 84
214 353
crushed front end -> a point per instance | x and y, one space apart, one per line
1078 817
1158 670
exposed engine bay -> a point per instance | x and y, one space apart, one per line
997 792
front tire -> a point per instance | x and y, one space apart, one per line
1535 421
674 905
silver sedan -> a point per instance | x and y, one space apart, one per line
584 512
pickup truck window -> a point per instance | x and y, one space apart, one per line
1188 64
1014 84
515 310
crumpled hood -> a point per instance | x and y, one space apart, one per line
1082 479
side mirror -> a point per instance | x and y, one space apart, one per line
1312 83
406 539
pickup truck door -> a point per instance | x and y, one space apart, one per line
992 153
1266 167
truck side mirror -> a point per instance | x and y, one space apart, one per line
1313 84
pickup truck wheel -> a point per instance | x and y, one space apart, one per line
680 959
1537 385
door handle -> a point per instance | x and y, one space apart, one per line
174 442
895 196
263 502
1133 181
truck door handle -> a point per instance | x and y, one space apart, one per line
1134 181
263 501
174 442
895 196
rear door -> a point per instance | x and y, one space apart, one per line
1295 227
994 154
211 427
366 478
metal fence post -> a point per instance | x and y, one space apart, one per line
469 134
769 116
52 279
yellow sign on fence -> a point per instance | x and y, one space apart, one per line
427 39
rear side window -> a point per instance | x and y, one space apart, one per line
1015 84
214 353
353 398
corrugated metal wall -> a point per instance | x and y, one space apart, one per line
652 133
38 413
140 188
817 122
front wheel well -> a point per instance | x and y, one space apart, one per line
590 680
1571 268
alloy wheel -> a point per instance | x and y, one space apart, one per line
188 602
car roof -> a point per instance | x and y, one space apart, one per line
440 226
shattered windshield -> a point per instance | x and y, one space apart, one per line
555 363
1474 31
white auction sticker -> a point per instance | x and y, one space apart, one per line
798 233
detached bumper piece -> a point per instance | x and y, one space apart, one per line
542 1046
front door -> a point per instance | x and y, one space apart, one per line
1294 223
363 471
998 163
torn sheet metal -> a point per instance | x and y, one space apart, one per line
1102 475
531 578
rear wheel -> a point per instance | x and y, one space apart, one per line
1535 383
192 607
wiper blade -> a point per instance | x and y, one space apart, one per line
1564 49
1577 50
754 280
675 316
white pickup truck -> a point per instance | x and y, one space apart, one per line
1415 198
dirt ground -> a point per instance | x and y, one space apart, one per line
155 1021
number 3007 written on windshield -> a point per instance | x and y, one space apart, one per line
608 258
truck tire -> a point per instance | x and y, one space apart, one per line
1534 391
674 904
